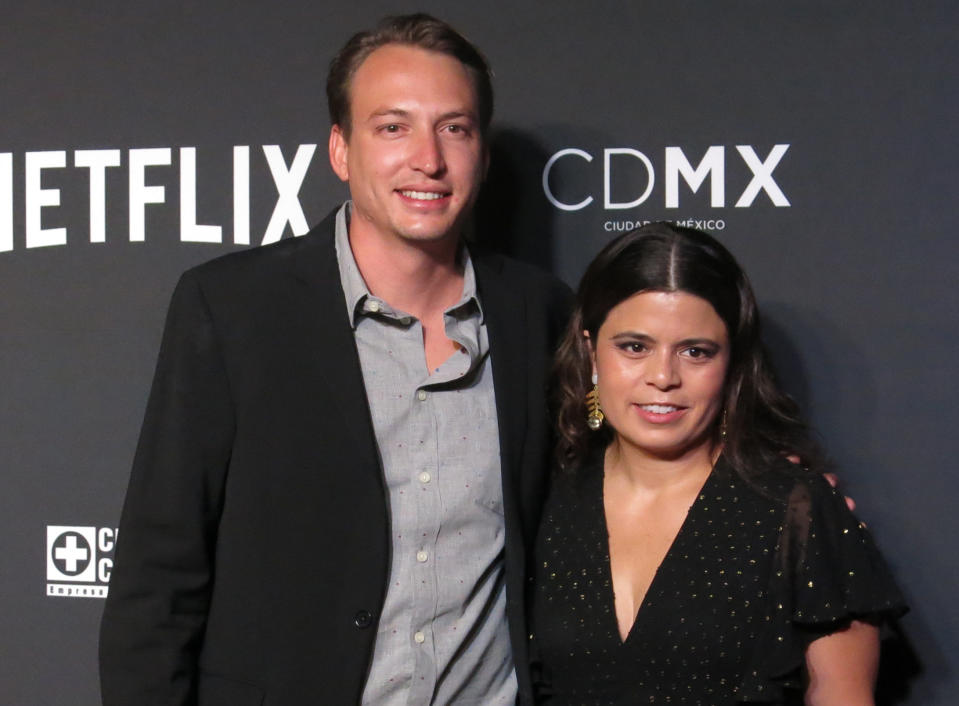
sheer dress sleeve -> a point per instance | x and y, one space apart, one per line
827 572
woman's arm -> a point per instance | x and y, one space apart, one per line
842 667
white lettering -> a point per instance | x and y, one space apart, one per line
622 226
104 569
713 164
549 193
106 538
97 162
61 590
140 193
288 182
702 224
190 231
6 201
762 176
241 195
37 197
650 176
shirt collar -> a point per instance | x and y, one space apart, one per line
357 293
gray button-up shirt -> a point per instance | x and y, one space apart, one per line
442 636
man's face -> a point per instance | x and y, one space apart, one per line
415 157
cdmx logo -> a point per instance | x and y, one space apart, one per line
79 560
624 163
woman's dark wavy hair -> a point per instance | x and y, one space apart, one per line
762 422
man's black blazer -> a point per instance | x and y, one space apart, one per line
254 550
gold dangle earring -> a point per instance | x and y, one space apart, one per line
595 416
722 426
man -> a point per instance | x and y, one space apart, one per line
344 452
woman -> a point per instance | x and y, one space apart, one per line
681 558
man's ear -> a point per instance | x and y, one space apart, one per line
339 150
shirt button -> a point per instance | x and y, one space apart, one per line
424 477
422 556
419 637
363 619
373 306
422 395
405 320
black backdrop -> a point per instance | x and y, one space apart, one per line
122 128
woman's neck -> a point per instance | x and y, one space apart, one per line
642 470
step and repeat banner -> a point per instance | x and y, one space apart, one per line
816 139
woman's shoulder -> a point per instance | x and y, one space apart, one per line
785 483
836 569
775 484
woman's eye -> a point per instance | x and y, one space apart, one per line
699 353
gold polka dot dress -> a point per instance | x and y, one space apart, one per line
757 571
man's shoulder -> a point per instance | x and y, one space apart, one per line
265 261
518 274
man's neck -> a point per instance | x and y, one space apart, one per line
420 278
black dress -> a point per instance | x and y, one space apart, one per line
754 575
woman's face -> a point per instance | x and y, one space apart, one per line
661 360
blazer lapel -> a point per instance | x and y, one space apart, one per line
318 297
504 310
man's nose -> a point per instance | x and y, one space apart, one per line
427 154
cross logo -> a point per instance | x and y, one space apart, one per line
71 553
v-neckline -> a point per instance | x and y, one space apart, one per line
610 593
